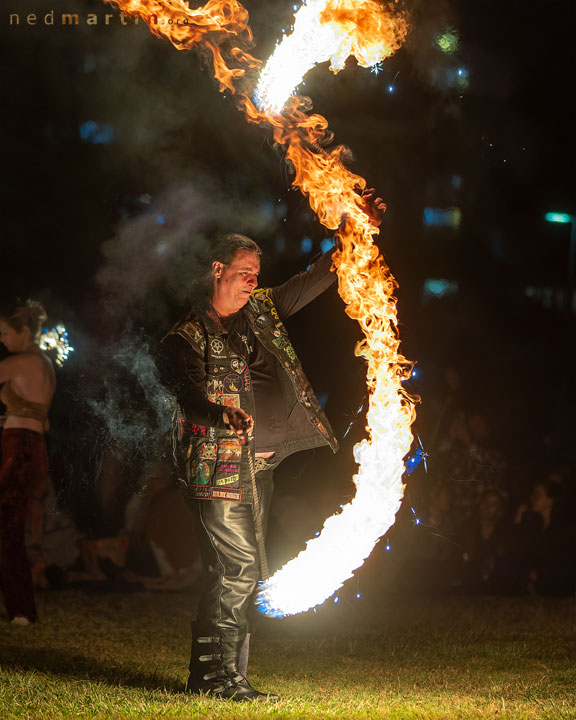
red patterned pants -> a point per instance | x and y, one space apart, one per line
22 477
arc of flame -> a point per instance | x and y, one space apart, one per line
333 30
220 30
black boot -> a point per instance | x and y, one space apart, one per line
214 670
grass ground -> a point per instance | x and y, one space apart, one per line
125 656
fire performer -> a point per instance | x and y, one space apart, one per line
29 383
247 405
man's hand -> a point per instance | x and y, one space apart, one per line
239 421
374 207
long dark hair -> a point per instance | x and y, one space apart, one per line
223 250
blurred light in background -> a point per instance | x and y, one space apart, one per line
439 287
448 41
556 217
439 217
450 78
95 133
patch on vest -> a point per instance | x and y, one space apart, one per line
234 494
225 399
230 480
229 449
263 321
208 451
217 346
214 386
201 473
233 383
238 365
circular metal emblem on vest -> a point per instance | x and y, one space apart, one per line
217 346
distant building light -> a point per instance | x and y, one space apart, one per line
306 245
456 182
327 244
439 287
438 217
448 41
555 217
93 132
548 296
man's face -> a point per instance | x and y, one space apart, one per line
233 283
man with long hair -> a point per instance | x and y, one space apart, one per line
246 404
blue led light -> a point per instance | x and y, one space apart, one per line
160 220
391 88
306 245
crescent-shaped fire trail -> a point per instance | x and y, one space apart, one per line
370 31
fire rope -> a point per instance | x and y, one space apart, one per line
322 30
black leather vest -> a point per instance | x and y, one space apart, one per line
213 461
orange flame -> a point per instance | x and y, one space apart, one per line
367 28
215 27
220 30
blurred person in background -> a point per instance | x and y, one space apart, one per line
545 542
484 540
28 387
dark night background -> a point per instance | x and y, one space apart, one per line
120 158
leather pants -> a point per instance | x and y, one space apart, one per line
229 552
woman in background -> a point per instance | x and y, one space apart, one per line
28 386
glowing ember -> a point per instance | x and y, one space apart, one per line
328 30
219 29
